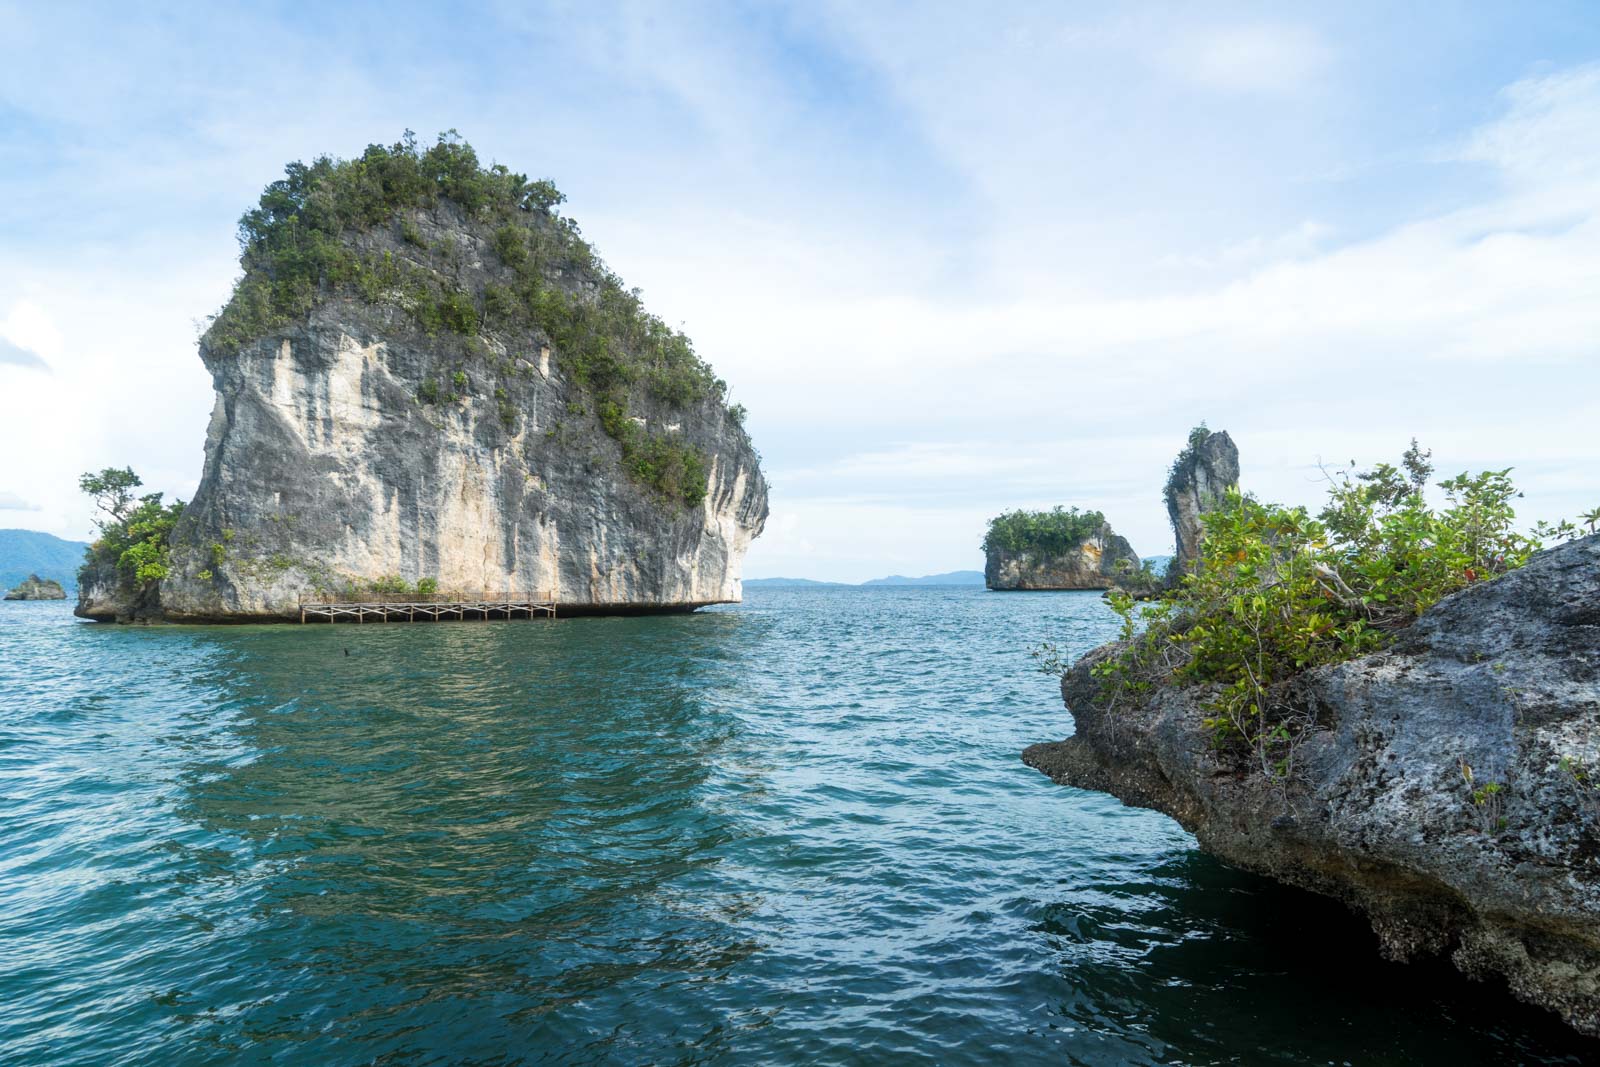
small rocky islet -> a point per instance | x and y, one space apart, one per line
1445 787
36 588
1059 549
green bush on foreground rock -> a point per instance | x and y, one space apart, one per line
1279 591
1050 533
134 531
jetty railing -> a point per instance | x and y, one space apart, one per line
433 607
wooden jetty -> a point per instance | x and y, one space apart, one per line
437 608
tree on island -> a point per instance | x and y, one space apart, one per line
135 532
112 490
1052 532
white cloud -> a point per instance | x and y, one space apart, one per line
810 539
13 502
1303 240
1478 329
18 356
1547 138
1258 58
25 333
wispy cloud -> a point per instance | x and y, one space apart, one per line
18 356
13 502
1253 58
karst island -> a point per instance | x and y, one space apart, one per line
429 385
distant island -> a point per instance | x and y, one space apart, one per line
37 588
966 578
1063 548
26 553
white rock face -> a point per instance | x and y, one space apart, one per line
323 467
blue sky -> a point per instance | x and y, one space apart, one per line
953 262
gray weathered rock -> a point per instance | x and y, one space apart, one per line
104 596
324 465
1092 565
1200 479
37 588
1502 678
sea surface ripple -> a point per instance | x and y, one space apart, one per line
794 831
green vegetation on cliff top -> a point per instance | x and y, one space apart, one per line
1048 533
300 246
1197 437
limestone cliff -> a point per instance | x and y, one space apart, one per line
1094 560
1388 808
1200 479
37 588
477 405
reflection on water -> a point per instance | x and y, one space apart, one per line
797 830
487 856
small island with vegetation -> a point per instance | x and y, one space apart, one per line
1390 702
1063 548
37 588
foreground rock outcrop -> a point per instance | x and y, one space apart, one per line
1199 481
37 588
483 408
1094 563
1498 685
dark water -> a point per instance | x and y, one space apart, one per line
794 832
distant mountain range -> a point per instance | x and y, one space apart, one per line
948 578
25 552
790 583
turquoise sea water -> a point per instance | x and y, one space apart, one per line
796 831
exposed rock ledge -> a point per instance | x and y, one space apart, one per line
1504 677
1093 564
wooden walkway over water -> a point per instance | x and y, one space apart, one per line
440 608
